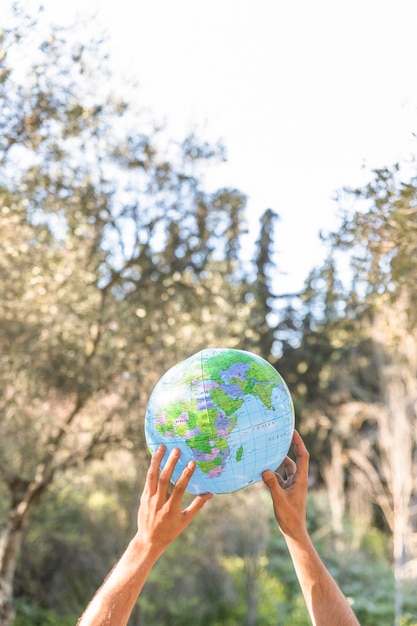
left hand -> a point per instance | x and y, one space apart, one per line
160 515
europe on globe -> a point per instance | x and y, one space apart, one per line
228 410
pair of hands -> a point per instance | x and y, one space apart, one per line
161 518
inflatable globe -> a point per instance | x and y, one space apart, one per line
228 410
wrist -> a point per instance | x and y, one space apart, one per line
298 539
144 550
296 532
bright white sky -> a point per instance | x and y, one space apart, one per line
304 95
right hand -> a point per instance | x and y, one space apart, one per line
289 494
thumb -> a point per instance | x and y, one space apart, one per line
273 482
197 504
268 477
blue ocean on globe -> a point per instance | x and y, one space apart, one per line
228 410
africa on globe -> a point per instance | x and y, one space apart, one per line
228 410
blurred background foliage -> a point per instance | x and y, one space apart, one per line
115 263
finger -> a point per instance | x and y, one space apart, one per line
182 483
152 475
166 474
301 453
280 479
195 506
273 482
289 466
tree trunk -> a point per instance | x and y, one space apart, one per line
400 450
252 605
11 541
252 589
395 351
333 474
10 545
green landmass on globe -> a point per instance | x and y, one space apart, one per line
223 408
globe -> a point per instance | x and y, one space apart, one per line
228 410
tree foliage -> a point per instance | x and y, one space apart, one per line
115 260
115 263
354 368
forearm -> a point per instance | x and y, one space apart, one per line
325 602
114 601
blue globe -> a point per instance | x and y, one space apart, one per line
228 410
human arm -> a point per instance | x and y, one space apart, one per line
160 520
326 604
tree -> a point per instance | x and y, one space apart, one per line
382 237
263 298
318 361
391 484
360 391
115 261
